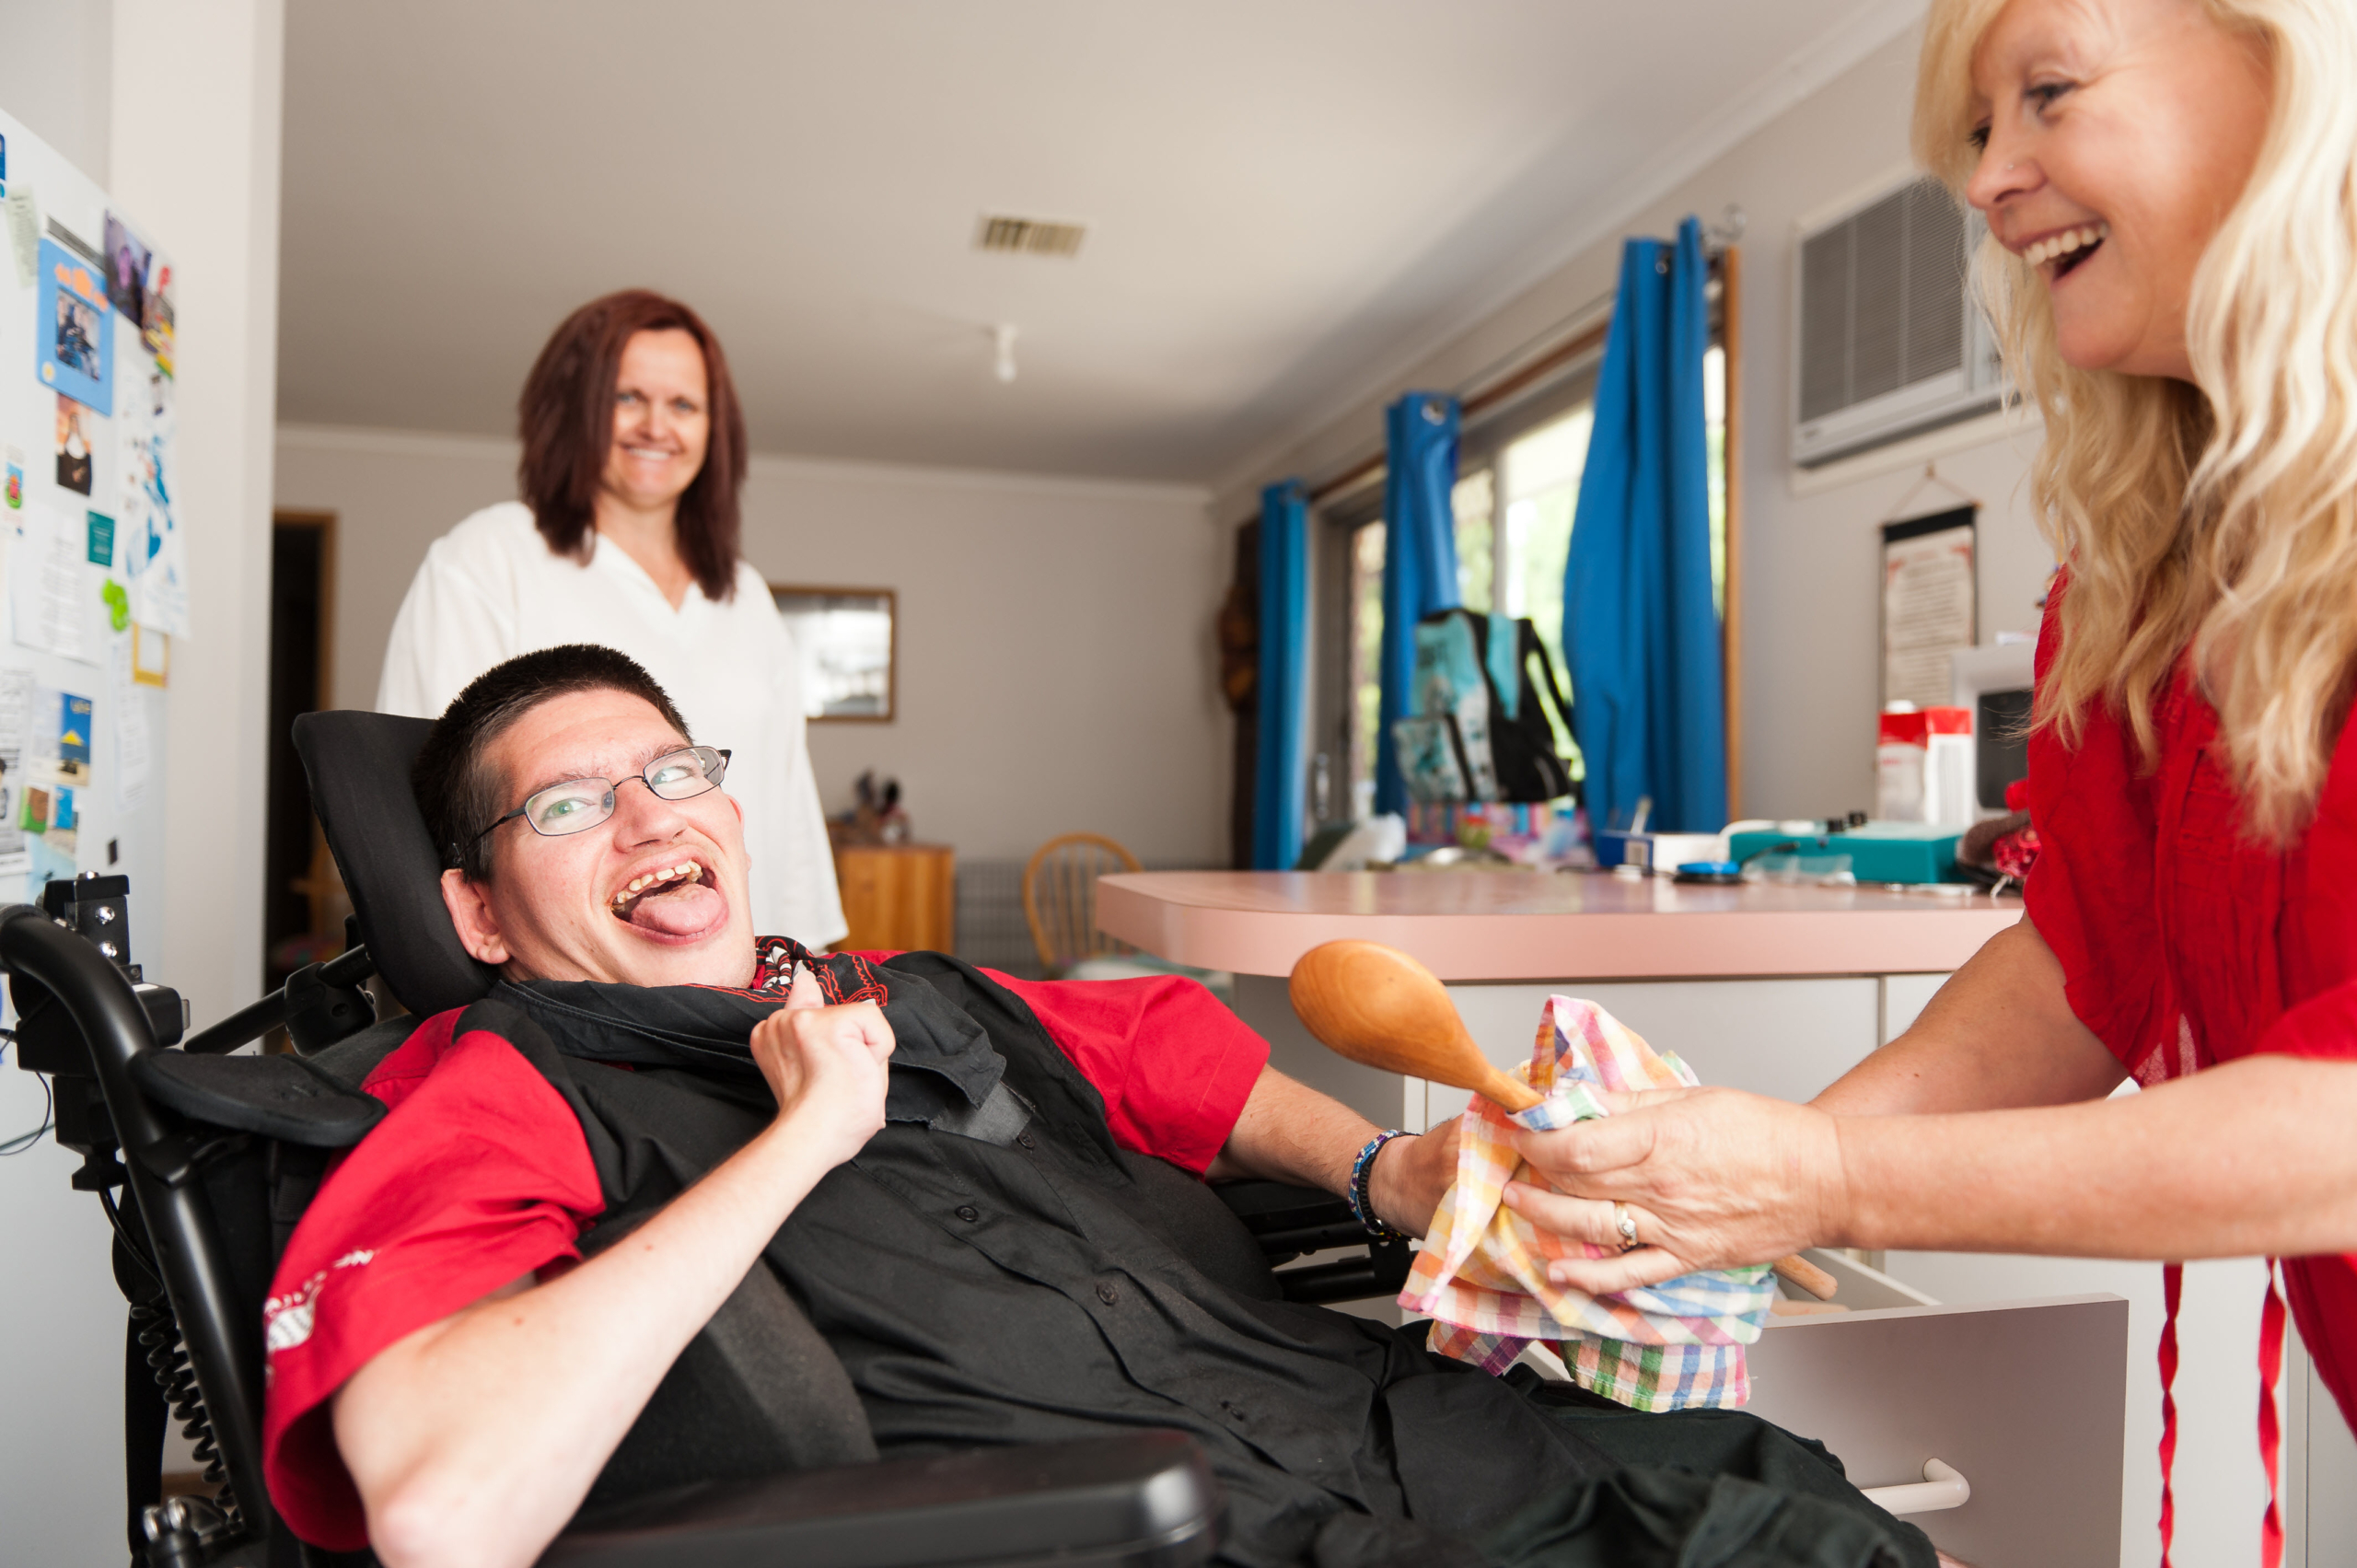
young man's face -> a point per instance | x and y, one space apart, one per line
563 907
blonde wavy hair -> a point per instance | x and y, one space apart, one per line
2221 516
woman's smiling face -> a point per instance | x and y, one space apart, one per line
2118 136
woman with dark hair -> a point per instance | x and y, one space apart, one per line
634 454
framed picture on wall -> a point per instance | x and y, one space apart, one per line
847 641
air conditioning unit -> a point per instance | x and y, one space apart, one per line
1891 344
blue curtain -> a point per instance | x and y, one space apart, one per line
1641 634
1418 558
1279 785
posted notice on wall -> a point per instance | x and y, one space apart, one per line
1929 610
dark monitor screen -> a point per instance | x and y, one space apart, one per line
2001 752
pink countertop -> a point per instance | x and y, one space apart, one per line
1530 925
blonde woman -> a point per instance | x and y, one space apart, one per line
2173 264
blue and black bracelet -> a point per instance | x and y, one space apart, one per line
1362 1168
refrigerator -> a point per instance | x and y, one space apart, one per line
92 558
93 597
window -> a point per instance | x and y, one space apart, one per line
1514 507
1471 505
1542 475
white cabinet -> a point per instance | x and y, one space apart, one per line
2023 1398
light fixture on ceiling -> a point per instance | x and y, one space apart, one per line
1003 345
1036 237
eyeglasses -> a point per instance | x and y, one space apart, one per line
578 804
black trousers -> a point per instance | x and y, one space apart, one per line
1692 1489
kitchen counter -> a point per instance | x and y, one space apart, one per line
1776 989
1508 925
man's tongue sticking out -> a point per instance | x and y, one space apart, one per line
683 911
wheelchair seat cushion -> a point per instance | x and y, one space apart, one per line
279 1096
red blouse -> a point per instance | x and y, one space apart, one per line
2185 944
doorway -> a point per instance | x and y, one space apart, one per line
303 901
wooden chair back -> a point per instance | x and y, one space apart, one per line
1060 897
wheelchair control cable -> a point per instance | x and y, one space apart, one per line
159 1336
130 1246
23 1141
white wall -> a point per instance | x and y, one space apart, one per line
66 100
1057 669
1810 685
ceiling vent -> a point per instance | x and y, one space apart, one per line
1891 341
1037 237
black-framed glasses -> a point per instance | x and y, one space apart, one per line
578 804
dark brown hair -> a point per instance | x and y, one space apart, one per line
458 791
566 418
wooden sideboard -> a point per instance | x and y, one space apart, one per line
898 896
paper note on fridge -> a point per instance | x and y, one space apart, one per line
53 592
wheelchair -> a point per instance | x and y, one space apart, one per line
203 1162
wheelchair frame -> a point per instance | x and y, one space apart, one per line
87 1015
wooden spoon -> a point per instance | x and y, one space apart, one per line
1377 1006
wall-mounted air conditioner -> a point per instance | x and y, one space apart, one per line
1890 342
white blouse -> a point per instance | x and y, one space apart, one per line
491 588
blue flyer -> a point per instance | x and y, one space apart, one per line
74 330
74 732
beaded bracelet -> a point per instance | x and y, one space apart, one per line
1362 1168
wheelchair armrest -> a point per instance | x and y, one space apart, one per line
1289 1222
1142 1501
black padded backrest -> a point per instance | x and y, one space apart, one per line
358 764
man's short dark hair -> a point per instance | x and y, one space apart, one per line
457 790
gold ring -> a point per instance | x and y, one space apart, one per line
1626 1224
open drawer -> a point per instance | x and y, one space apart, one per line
2023 1400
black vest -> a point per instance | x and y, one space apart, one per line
992 1267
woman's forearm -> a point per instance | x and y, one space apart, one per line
2194 1168
475 1438
1999 1034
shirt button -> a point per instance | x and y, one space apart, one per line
1107 1294
968 1213
1025 1138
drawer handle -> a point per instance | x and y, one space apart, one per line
1943 1486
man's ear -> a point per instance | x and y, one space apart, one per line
470 912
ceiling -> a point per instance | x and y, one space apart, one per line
1281 195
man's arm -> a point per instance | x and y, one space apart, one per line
474 1439
1289 1132
1999 1035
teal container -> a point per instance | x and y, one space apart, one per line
1879 851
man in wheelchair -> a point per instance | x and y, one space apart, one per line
679 1200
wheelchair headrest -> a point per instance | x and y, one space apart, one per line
358 764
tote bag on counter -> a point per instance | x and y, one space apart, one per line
1489 682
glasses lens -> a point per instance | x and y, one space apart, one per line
685 773
573 806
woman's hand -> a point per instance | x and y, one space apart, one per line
827 1066
1715 1179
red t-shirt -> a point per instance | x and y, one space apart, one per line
2185 944
479 1174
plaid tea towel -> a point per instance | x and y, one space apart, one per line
1482 1275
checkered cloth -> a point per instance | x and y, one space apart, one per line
1482 1275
